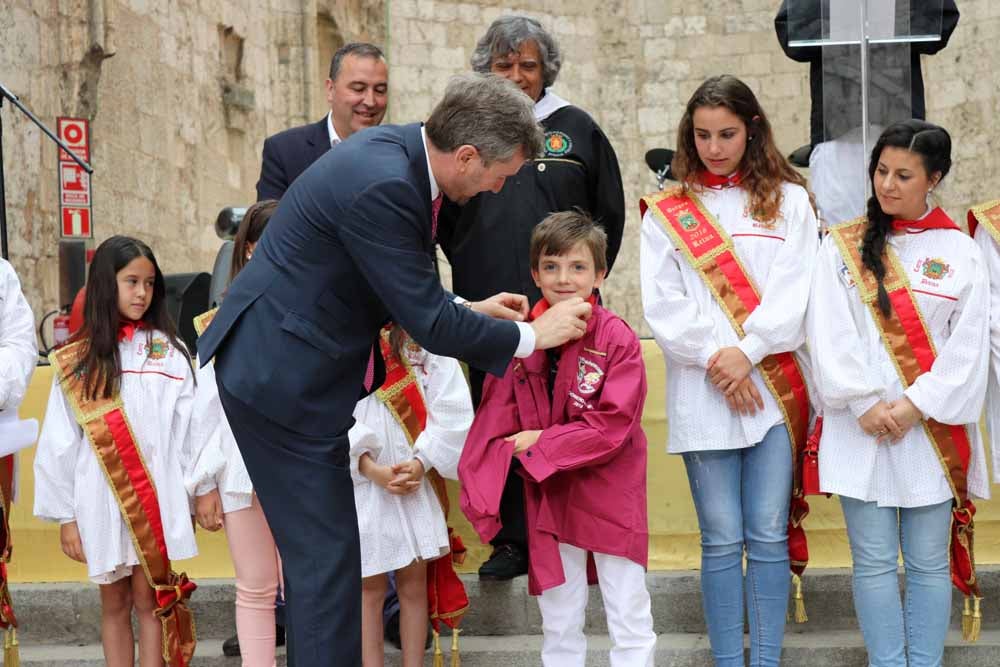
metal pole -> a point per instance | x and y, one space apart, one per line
3 193
865 138
16 102
6 94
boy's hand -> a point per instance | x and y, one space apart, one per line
208 510
406 477
503 306
523 440
565 321
727 368
69 538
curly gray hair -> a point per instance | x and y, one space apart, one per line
507 34
488 112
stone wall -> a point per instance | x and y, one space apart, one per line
181 94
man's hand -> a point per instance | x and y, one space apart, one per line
69 538
727 368
208 510
565 321
503 306
523 440
880 423
745 399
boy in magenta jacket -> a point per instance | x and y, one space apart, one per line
568 422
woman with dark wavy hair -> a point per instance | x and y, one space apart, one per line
898 329
740 224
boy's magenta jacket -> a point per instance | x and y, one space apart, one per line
585 478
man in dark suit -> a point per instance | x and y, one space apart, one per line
357 92
293 339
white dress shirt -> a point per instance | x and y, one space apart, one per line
853 370
690 326
332 131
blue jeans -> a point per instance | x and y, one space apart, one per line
742 497
896 635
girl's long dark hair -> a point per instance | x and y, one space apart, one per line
933 144
100 362
764 167
250 230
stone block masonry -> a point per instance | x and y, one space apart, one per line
181 95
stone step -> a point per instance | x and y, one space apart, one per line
70 613
817 649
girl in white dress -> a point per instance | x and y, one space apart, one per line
129 347
876 452
400 519
223 493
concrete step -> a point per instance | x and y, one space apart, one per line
70 613
817 649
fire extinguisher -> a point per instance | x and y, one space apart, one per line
60 329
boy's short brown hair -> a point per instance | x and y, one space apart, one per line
559 232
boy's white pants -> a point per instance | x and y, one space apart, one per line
626 605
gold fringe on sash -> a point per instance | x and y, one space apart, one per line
438 655
11 651
799 600
456 658
972 619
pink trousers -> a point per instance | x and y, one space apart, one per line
258 570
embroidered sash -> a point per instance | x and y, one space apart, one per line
8 622
202 321
710 251
446 596
987 215
112 438
911 348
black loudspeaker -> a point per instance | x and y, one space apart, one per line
187 297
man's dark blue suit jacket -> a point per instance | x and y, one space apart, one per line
348 248
288 154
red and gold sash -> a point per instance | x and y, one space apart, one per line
710 251
8 622
113 440
446 596
909 344
987 215
202 321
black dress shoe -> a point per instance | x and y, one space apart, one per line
506 562
231 647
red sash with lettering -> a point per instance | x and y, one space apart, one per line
710 251
447 600
987 215
908 342
113 440
8 622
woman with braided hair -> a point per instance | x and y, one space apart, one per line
898 329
